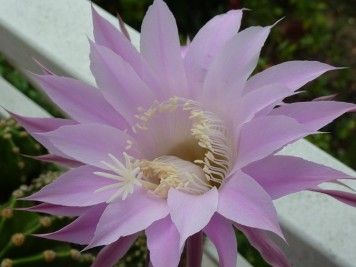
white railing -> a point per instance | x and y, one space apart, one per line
320 231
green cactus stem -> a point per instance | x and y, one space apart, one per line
136 255
19 248
17 245
15 168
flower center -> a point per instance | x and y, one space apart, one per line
192 151
168 172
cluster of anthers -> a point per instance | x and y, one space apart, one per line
171 171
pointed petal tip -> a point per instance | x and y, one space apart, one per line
44 69
95 15
123 28
325 98
278 21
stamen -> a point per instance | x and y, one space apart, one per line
211 134
172 172
129 144
127 177
195 176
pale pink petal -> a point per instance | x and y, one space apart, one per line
222 235
314 114
110 254
265 98
284 175
206 44
234 63
80 101
184 50
123 27
57 209
107 35
66 162
325 97
344 197
163 243
119 83
75 188
191 213
161 48
91 143
270 252
81 230
292 74
244 201
263 136
44 69
42 125
126 217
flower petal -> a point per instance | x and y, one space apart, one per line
80 101
163 243
110 254
293 74
75 188
270 252
161 49
126 217
66 162
345 197
42 125
284 175
244 201
57 209
234 63
264 98
314 114
107 35
191 213
43 68
206 44
263 136
222 234
119 83
91 143
81 230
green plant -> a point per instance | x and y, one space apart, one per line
17 245
15 167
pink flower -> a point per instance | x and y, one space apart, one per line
177 147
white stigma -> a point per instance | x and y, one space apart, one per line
127 177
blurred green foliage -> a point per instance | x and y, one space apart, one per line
18 246
15 167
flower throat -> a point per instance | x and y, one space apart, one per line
192 165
